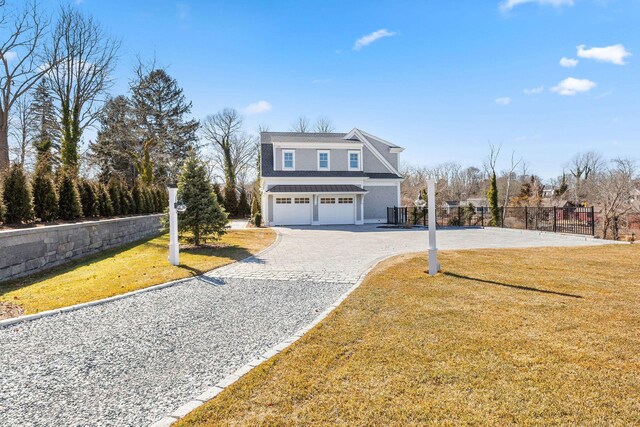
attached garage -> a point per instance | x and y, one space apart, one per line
336 209
289 210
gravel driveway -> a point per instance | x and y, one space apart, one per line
131 361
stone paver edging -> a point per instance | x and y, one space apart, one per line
48 313
211 392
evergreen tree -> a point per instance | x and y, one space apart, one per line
89 198
44 126
148 200
129 205
105 206
219 196
69 204
17 197
243 205
231 201
115 194
161 109
255 204
45 196
2 209
204 217
138 199
492 195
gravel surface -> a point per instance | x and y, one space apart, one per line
132 361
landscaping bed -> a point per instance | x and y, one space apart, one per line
501 337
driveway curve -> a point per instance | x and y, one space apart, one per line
131 361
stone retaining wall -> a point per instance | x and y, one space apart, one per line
30 250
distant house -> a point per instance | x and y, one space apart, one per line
328 178
480 204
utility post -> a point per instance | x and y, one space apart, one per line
174 246
434 266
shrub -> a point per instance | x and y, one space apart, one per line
255 203
105 207
2 209
243 205
114 193
89 198
204 217
45 196
128 205
69 204
138 200
231 201
257 219
17 197
148 200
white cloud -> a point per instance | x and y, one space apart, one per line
534 91
257 107
504 101
10 56
614 54
510 4
184 10
568 62
370 38
572 86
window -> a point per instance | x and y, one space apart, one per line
354 160
288 159
323 160
345 200
283 200
301 200
327 200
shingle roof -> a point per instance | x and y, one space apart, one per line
268 172
316 189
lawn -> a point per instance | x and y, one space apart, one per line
501 337
128 268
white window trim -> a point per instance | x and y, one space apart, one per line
359 153
328 152
293 153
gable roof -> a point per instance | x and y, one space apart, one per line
271 137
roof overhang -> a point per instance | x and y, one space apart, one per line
317 188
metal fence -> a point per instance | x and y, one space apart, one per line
571 220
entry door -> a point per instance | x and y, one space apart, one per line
337 209
292 210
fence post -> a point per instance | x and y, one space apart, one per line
504 212
482 217
526 218
593 222
555 218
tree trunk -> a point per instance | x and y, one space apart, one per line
4 142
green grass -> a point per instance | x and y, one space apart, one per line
546 336
128 268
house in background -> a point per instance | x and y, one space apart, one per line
328 178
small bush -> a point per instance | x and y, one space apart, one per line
45 195
69 204
257 219
138 200
17 197
243 205
89 198
114 193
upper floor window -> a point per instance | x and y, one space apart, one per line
354 160
323 160
288 159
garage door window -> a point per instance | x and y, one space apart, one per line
327 200
345 200
283 200
301 200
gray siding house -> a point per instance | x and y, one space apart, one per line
328 178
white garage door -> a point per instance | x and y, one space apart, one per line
292 211
337 210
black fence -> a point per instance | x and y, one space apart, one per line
571 220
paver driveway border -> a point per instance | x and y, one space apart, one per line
49 313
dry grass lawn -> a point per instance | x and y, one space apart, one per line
128 268
502 337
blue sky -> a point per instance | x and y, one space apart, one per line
446 78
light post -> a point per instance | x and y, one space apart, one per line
174 209
434 267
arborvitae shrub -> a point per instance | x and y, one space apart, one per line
243 205
114 193
45 195
69 204
17 197
89 198
138 201
231 201
105 207
128 204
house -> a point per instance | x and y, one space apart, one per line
328 178
479 204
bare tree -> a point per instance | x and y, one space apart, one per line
21 130
21 61
613 193
582 167
222 130
301 125
324 125
80 80
509 173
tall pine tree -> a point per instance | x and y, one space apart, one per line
492 195
44 127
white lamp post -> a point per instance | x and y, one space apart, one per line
434 267
174 208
